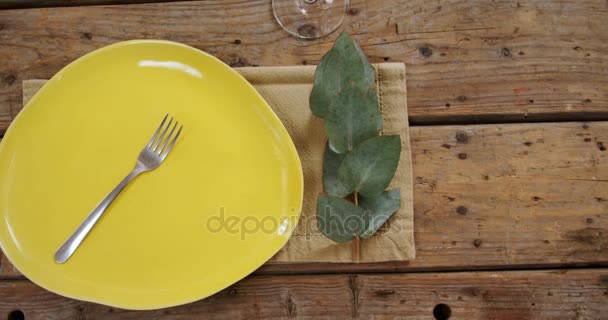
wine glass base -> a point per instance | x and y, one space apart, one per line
309 19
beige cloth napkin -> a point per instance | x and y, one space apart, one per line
286 89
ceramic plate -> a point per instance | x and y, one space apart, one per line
224 202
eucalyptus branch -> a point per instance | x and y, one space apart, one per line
357 161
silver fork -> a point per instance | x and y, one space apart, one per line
153 154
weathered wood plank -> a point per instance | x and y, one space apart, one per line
499 196
505 196
575 294
468 61
22 4
496 196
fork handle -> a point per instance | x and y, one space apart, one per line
73 242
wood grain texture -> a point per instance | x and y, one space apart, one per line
576 294
499 197
22 4
468 61
504 196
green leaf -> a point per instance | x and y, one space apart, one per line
371 165
353 117
340 220
343 64
372 96
331 183
380 208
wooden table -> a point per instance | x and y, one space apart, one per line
507 101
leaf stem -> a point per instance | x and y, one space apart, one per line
357 242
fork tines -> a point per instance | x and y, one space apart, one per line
159 146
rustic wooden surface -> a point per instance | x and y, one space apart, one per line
468 61
524 195
21 4
494 197
579 294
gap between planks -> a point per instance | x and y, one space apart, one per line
343 269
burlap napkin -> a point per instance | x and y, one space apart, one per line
286 89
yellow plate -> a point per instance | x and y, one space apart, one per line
224 202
